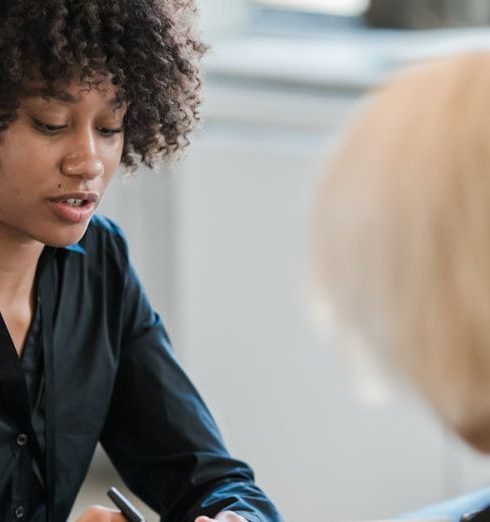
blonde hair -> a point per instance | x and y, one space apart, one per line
402 232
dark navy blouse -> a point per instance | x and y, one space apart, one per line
115 380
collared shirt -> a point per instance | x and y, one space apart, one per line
116 381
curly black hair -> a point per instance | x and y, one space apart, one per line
147 47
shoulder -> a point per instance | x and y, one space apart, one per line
103 227
103 241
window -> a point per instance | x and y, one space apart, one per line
332 7
401 14
305 18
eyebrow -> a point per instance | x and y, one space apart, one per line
63 97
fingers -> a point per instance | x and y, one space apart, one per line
224 516
101 514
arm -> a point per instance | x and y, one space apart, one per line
160 435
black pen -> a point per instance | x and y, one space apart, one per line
125 506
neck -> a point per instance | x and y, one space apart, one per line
18 262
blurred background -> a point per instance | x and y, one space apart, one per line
221 241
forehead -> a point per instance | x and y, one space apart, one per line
75 92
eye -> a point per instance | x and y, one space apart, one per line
45 128
108 132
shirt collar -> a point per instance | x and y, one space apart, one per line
76 247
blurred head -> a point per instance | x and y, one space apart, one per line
402 234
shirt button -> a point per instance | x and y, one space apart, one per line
22 439
19 512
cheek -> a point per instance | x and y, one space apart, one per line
470 419
111 158
15 173
477 436
27 163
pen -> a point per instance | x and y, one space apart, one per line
123 504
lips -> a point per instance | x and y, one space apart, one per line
88 197
74 207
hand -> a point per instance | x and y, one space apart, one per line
102 514
224 516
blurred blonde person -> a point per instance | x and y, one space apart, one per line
402 234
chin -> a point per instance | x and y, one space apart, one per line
64 238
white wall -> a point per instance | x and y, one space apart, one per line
222 18
221 244
281 395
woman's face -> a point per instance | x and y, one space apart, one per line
56 160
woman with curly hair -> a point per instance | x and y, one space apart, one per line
83 357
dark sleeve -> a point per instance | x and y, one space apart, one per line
161 437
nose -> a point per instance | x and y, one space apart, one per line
84 160
84 165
